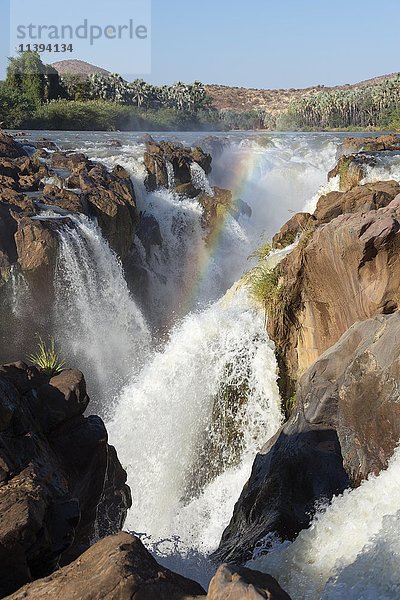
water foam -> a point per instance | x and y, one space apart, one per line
99 326
351 550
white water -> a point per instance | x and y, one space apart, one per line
100 328
351 551
163 416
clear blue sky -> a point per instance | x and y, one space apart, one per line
254 43
275 43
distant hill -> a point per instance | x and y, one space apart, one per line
275 100
77 67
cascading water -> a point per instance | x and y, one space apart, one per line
352 550
168 415
98 324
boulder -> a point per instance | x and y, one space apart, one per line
345 425
56 469
36 244
216 207
169 165
349 270
118 566
111 199
239 583
9 147
362 198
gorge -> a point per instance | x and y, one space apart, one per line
131 252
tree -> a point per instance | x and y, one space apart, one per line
28 75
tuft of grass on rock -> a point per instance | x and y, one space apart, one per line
47 358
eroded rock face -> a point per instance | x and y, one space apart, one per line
346 425
117 567
351 170
239 583
348 271
53 473
169 165
298 224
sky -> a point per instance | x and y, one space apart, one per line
251 43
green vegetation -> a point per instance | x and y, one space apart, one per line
262 252
365 107
47 358
35 96
289 405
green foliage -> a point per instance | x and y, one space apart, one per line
37 82
262 252
288 405
15 107
47 358
374 106
263 284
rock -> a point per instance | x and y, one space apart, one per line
359 199
36 244
65 199
372 144
70 161
169 165
55 465
9 147
111 199
351 170
239 583
288 233
118 566
346 425
347 271
216 207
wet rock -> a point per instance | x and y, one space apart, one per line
290 231
70 161
351 170
9 147
36 244
169 161
117 567
346 425
111 199
53 472
66 199
238 583
216 207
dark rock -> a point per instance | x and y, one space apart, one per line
157 158
351 170
55 466
239 583
9 147
372 144
117 567
65 199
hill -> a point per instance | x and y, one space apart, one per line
77 67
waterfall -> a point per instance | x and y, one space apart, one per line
169 416
99 327
199 179
351 550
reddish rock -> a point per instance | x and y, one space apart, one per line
298 224
239 583
117 567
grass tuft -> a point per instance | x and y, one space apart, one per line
47 358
